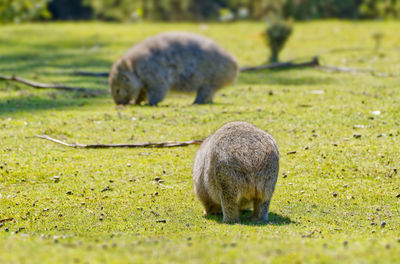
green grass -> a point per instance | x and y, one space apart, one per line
308 111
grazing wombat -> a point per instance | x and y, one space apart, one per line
235 167
171 61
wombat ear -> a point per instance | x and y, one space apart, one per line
132 78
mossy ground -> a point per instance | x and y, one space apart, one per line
335 199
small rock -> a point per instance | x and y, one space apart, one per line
129 165
111 181
291 152
56 179
157 179
357 135
6 229
101 218
383 224
19 230
379 135
161 221
373 223
334 194
106 189
398 196
69 192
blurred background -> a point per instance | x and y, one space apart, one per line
17 11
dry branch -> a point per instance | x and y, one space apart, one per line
6 220
50 86
168 144
333 69
281 65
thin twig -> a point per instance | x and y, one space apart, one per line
333 69
280 65
6 220
168 144
50 86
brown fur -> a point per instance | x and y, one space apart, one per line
235 167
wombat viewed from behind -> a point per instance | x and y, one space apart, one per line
236 167
171 61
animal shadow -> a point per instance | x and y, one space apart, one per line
245 219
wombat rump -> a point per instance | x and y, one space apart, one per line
171 61
236 167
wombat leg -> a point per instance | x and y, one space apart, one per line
155 95
212 208
260 211
204 95
141 97
230 208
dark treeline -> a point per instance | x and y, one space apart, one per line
194 10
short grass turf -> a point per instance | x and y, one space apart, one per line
337 197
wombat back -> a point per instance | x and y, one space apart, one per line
235 166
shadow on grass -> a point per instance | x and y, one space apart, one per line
245 219
34 62
282 77
28 103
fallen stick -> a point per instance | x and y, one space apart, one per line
280 65
333 69
168 144
6 220
50 86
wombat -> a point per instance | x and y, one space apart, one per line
171 61
235 167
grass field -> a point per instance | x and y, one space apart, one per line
337 198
